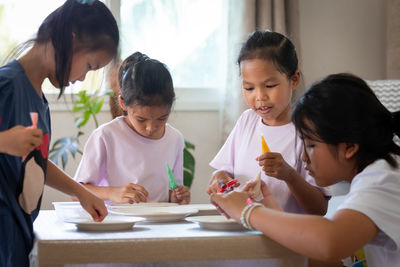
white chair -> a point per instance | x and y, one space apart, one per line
388 92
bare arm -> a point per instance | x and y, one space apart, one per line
310 235
315 236
128 193
59 180
310 198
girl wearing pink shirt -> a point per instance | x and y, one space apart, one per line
269 71
124 161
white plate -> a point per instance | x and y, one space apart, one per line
67 203
143 204
156 214
204 209
110 223
216 222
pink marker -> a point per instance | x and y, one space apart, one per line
34 119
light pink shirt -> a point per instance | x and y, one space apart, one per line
116 155
237 156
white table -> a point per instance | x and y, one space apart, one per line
61 243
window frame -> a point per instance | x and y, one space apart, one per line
187 99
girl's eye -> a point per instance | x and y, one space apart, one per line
162 119
271 86
140 120
248 89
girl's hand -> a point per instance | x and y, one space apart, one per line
180 195
93 205
274 165
217 179
268 200
230 204
129 193
19 141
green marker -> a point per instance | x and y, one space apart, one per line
172 180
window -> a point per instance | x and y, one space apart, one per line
188 36
15 30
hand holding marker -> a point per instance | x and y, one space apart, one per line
34 119
264 146
227 187
172 180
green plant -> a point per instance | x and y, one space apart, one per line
86 106
188 164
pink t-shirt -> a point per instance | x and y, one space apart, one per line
116 155
237 156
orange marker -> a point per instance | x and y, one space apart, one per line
264 146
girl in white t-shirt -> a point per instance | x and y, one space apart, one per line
125 160
269 71
348 136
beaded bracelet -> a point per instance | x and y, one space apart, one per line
252 207
245 215
242 216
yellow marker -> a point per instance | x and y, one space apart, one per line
264 146
360 258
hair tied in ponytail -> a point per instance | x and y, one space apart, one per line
84 2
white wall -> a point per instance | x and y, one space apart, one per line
343 36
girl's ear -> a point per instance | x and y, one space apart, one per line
295 79
121 103
350 150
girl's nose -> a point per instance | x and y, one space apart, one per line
260 94
150 128
82 78
304 156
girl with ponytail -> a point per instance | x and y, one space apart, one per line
124 161
74 39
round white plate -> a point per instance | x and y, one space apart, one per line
143 204
156 214
66 203
110 223
216 222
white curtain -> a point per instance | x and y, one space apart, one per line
393 40
243 18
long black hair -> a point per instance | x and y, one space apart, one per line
342 108
145 81
93 25
271 46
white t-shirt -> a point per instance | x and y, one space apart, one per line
237 156
375 192
116 155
